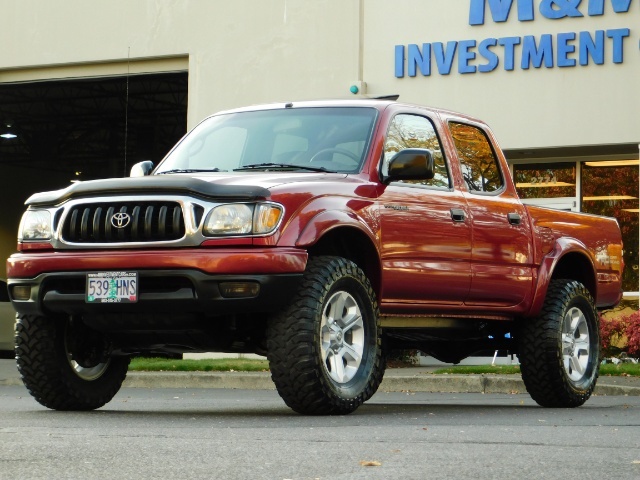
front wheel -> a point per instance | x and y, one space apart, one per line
324 350
559 349
66 366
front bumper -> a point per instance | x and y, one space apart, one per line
184 281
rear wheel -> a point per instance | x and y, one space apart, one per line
559 350
325 349
66 366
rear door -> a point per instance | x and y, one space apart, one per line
425 226
502 254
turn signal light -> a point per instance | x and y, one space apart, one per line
21 292
239 289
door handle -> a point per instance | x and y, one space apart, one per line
514 218
457 214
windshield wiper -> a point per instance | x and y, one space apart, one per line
282 165
190 170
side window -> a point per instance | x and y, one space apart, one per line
479 165
414 131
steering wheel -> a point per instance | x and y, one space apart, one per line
341 151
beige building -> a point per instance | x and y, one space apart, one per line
89 88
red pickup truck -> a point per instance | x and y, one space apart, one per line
319 234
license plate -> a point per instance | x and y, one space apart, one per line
112 287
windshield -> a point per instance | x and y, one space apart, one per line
332 139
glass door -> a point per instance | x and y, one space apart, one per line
610 188
550 185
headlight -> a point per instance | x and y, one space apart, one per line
242 219
35 225
233 219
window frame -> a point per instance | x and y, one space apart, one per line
442 150
496 159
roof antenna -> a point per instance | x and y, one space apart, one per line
126 113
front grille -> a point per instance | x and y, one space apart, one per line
143 222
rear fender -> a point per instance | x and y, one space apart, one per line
569 259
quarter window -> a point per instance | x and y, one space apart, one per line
414 131
478 162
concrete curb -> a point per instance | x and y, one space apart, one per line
398 382
433 383
509 384
234 380
10 382
613 390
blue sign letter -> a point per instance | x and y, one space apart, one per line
485 51
509 44
531 54
618 34
399 61
465 56
565 48
444 59
596 7
564 8
417 59
499 10
593 48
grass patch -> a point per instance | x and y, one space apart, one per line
140 364
622 369
205 365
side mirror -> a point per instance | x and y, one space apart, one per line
141 169
411 164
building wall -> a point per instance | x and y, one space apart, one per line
253 51
534 107
240 52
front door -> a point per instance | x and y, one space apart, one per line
425 227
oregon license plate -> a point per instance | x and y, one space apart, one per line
112 287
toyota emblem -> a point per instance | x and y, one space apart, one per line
120 219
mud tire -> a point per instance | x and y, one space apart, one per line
559 350
49 375
313 371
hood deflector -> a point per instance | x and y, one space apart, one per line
174 184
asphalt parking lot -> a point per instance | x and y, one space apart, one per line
238 434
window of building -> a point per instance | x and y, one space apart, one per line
551 185
611 189
608 188
414 131
479 165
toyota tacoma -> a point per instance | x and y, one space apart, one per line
322 235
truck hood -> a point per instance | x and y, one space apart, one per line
268 180
246 186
